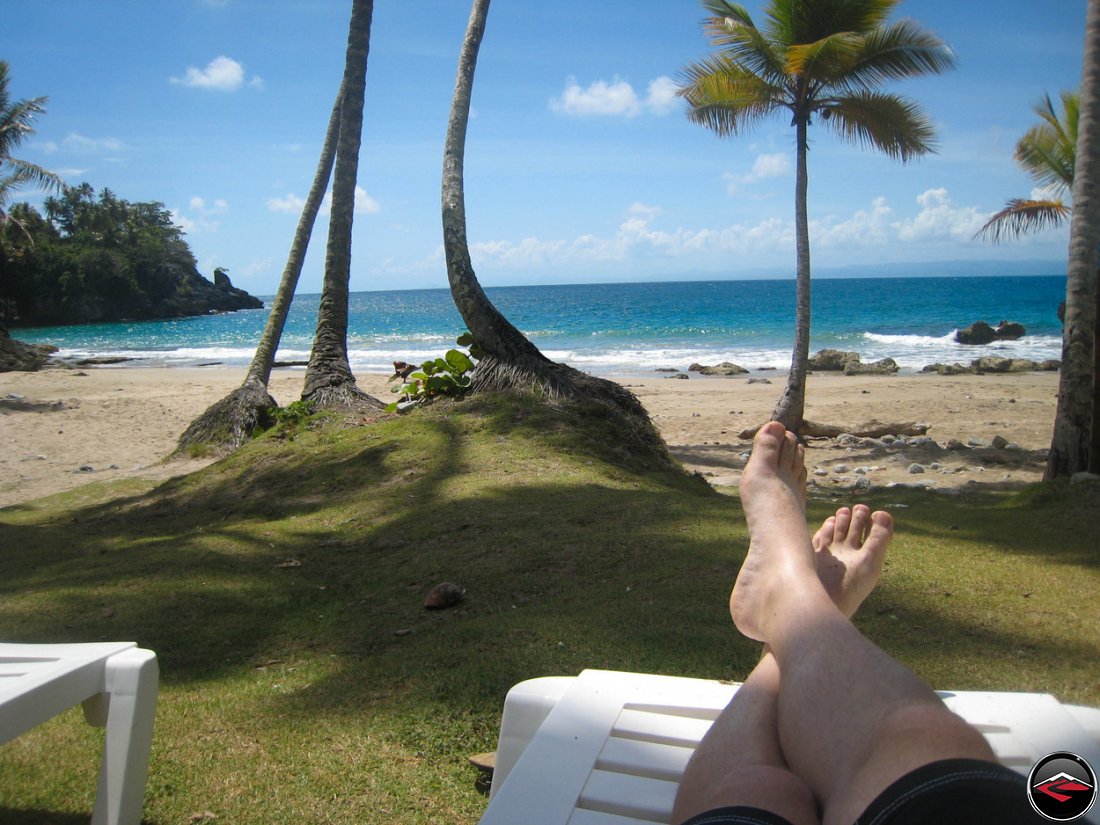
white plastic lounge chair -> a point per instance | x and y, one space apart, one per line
607 748
117 684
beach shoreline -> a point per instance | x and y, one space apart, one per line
61 428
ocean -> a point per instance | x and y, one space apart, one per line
622 330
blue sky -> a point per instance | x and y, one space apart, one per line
580 166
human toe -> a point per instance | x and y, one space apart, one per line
861 518
843 524
824 535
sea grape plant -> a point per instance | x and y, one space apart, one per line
446 376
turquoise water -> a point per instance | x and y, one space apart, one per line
624 329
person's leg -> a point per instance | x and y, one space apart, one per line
740 761
851 719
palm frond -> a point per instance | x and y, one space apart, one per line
897 127
20 172
822 59
725 97
895 52
1023 216
1048 150
743 43
799 22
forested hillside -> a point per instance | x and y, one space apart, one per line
88 258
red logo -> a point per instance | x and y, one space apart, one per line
1062 787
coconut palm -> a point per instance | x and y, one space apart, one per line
508 360
228 423
1047 152
814 58
1075 444
15 126
329 381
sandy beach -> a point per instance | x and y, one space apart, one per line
62 428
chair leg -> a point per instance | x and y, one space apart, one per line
131 688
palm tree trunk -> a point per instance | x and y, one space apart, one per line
228 423
510 360
792 405
329 381
1069 448
502 342
259 372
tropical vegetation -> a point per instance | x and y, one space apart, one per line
1075 445
16 118
824 60
91 257
1047 153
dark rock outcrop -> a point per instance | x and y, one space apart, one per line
832 359
15 356
885 366
725 368
980 333
180 291
947 369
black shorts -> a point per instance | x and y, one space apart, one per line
949 792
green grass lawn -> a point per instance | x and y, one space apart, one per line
303 681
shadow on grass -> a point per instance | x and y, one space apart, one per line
573 553
24 816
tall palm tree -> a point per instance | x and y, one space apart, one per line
15 126
1076 429
814 58
329 381
228 423
1048 153
509 360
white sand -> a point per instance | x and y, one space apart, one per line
122 422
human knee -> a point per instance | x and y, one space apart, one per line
765 787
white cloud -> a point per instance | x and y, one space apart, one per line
219 207
199 215
222 74
940 219
292 203
765 166
600 98
644 211
935 224
661 95
616 98
82 145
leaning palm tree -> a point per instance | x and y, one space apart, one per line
228 423
329 381
1048 153
508 360
15 127
825 59
1075 445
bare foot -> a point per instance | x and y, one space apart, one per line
848 551
780 557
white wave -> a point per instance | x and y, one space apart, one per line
911 340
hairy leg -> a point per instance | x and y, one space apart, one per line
851 718
739 761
